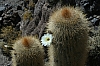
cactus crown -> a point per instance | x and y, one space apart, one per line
68 15
25 42
65 13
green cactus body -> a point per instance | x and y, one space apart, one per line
69 29
27 52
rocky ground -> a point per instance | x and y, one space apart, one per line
9 16
11 12
4 60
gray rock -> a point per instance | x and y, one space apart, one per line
2 8
0 18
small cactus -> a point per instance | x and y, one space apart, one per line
70 37
27 15
27 52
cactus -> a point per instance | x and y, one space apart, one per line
27 52
69 28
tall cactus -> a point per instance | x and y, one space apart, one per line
69 29
27 52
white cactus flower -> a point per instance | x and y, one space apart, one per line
46 39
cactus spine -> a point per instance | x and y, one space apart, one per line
69 28
27 52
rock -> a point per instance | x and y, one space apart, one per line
94 20
1 10
4 60
19 7
10 18
0 18
6 4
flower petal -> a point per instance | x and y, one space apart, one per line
45 41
